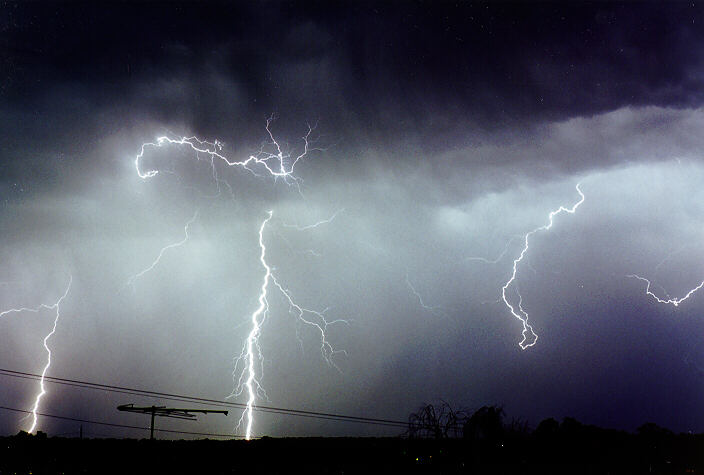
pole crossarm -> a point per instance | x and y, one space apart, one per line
163 411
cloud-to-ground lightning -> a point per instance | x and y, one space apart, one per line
274 161
180 243
517 310
56 308
670 301
246 380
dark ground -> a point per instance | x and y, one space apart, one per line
566 448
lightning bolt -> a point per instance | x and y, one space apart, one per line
670 301
307 316
278 163
180 243
308 252
246 380
275 160
517 311
251 346
57 310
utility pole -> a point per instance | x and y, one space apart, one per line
163 411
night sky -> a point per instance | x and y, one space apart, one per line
445 132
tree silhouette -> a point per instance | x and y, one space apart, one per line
485 425
436 421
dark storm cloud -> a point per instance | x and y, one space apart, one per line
407 67
448 130
439 80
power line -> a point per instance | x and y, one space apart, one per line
110 424
200 400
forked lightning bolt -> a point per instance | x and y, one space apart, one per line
670 301
250 357
517 311
57 310
275 162
251 353
311 252
316 320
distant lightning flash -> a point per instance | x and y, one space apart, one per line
517 311
498 258
311 252
314 225
56 308
432 309
251 355
180 243
670 301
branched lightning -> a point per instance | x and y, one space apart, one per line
670 301
307 317
180 243
245 373
274 161
311 252
251 353
56 307
517 311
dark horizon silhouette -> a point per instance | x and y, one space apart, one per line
486 444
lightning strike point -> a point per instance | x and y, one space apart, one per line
45 342
252 341
250 357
